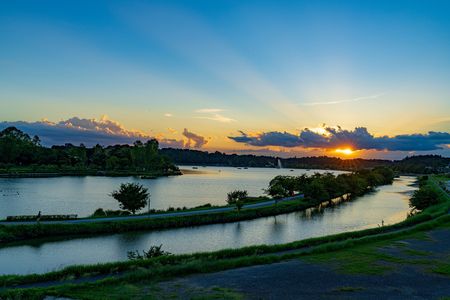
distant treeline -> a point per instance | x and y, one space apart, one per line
424 164
21 153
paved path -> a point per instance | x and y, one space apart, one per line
156 216
300 279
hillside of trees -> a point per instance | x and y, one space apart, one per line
21 153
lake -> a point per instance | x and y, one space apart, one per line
83 195
388 203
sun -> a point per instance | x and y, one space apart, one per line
346 151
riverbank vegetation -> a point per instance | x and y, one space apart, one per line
22 155
167 266
321 187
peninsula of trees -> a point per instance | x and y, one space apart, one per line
21 154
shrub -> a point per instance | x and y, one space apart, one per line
423 198
154 251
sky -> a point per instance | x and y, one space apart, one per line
288 78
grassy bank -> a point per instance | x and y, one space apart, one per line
153 270
26 232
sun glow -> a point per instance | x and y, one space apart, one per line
346 151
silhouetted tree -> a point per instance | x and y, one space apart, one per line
131 196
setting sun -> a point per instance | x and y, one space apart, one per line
346 151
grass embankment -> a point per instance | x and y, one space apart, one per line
167 266
354 255
27 232
115 213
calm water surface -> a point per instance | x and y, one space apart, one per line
83 195
388 203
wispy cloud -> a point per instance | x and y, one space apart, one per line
218 118
213 115
371 97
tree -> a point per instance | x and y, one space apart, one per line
423 198
131 196
236 195
239 204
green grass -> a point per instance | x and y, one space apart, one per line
350 256
414 252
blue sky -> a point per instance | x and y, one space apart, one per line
220 67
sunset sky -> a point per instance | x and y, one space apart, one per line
369 78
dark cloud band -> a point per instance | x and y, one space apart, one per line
357 139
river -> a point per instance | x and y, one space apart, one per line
388 203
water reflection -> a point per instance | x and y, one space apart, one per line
388 203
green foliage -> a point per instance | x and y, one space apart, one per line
21 153
424 197
236 195
154 251
321 187
131 196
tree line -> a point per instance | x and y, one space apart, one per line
18 149
321 187
422 164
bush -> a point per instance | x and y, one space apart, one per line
423 198
154 251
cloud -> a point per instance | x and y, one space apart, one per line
218 118
357 139
194 140
92 131
79 130
171 143
372 97
171 130
168 115
214 115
